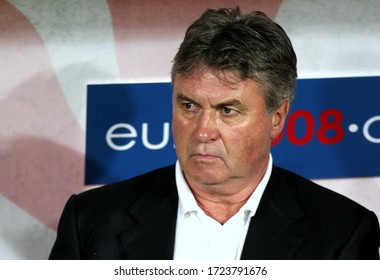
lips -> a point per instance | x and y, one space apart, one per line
204 158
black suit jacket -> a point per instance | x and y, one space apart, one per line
136 219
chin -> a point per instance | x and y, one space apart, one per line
206 177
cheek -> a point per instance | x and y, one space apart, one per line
239 145
250 140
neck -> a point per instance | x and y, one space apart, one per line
221 207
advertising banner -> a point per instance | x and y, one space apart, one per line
333 121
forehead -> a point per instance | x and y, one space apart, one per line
218 85
207 75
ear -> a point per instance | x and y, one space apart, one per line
279 118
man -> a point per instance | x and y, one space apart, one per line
233 83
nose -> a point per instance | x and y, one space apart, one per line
206 127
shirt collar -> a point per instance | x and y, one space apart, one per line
188 204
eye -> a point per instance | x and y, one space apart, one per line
189 106
227 111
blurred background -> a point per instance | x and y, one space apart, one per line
51 50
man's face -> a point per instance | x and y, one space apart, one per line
222 132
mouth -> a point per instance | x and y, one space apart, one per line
204 157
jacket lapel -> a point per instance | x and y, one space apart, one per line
155 212
272 234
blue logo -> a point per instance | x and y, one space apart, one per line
332 131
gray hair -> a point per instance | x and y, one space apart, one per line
250 46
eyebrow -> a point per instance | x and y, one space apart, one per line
182 97
233 102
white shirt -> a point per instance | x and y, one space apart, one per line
199 236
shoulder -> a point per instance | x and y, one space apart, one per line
314 198
336 225
92 219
